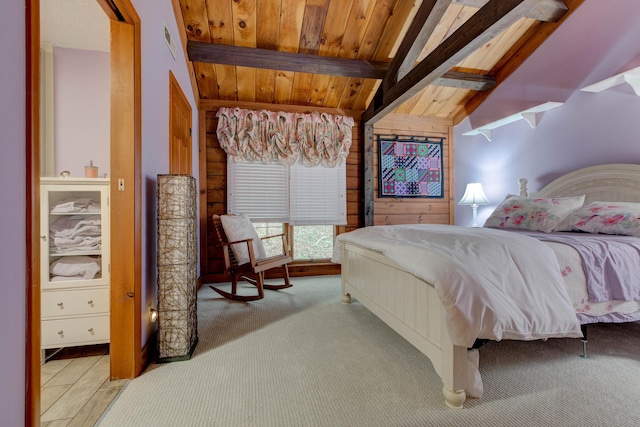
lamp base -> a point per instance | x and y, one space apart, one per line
474 207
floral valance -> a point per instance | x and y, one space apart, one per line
278 137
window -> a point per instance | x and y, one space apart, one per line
271 246
310 242
311 199
313 242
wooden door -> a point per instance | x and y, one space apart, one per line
179 130
126 200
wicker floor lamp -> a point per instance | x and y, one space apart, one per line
177 267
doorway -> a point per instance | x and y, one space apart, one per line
125 197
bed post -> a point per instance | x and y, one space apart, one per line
453 373
522 186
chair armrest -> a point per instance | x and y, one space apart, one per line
283 237
272 236
237 241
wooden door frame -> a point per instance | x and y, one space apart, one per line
32 232
126 144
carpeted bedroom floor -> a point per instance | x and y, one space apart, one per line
300 357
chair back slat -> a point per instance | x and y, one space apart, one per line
217 226
230 258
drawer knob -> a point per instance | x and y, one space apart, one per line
90 302
60 304
90 331
60 332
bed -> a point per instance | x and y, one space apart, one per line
418 311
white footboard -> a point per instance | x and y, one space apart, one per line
411 307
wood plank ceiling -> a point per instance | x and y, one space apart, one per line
434 58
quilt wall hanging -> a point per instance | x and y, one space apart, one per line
410 167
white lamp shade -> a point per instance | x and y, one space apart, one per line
474 195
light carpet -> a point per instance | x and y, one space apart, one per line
300 357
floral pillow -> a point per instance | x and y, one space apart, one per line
606 218
533 213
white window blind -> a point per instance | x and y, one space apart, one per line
295 194
318 195
259 190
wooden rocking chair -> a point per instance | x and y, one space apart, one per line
244 256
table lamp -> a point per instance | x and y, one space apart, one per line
474 196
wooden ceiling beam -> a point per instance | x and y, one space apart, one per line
472 3
285 61
471 81
483 26
552 11
314 64
423 25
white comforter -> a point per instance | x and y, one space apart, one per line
493 284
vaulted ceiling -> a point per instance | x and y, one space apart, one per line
437 58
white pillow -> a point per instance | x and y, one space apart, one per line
533 213
239 227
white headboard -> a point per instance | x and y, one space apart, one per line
615 182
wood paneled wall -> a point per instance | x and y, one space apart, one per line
386 210
212 264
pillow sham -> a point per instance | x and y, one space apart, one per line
605 218
239 227
533 213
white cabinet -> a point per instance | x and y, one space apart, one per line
74 227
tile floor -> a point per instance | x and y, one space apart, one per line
76 389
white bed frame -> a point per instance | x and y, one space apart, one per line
617 182
411 306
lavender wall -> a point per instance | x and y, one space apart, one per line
81 110
156 64
12 214
589 129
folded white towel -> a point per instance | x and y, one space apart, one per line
76 241
84 266
73 205
68 226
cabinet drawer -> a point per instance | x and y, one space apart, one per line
74 302
76 331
